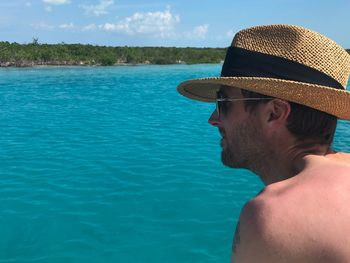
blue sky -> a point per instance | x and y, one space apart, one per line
181 23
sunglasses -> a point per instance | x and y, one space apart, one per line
223 104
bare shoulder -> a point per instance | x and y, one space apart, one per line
273 230
332 164
263 233
304 219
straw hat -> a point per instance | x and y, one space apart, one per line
286 62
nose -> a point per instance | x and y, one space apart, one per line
214 119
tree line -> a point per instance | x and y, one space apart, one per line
14 54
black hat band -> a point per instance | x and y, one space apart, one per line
241 62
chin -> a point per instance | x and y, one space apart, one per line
229 160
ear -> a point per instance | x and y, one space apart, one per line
277 112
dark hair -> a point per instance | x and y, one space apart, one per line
303 122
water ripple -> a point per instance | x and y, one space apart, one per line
97 163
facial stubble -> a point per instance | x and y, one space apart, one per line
244 147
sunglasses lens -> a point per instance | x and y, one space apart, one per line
218 103
222 107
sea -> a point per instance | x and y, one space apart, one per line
111 164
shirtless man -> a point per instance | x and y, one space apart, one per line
281 91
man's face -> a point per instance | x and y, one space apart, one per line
242 141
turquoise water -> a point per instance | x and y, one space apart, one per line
112 165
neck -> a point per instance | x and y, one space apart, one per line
285 164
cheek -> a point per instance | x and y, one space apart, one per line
229 136
225 131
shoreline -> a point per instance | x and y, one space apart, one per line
48 65
36 54
30 64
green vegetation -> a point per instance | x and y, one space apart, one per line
14 54
21 55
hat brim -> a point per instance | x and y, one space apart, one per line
330 100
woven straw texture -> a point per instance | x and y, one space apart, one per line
300 45
294 43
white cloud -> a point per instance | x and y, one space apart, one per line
160 23
99 9
56 2
90 27
66 26
119 27
154 24
200 31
